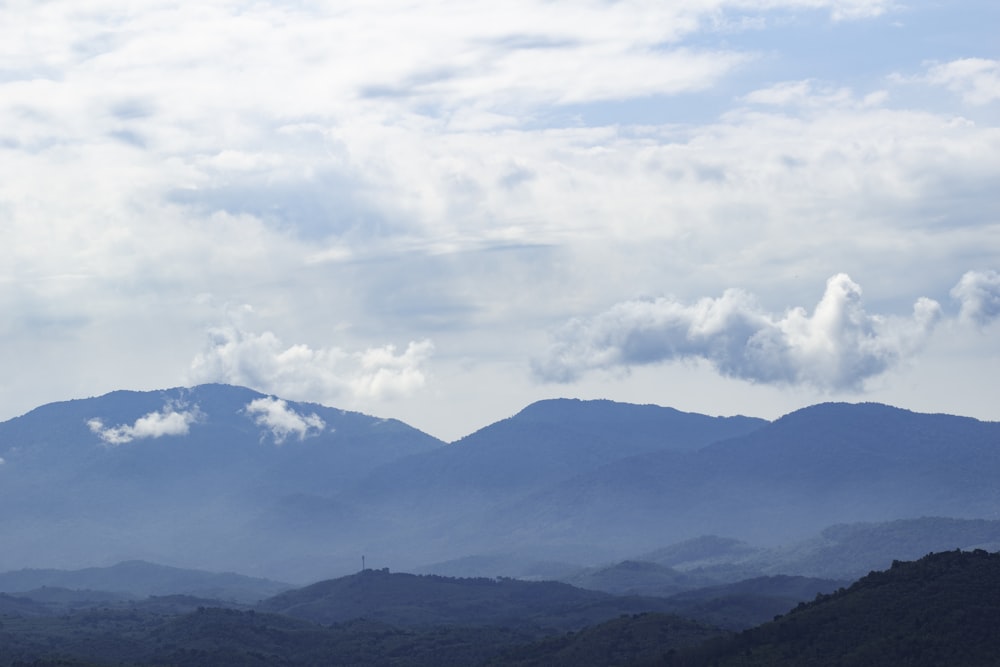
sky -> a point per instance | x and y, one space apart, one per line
444 211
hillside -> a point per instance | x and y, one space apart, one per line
407 600
628 640
943 609
940 610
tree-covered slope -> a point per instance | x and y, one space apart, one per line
625 640
421 600
943 609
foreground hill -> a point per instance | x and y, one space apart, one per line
628 640
483 619
943 609
940 610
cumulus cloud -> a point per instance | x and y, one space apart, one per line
168 421
301 372
979 294
385 373
282 421
977 80
837 346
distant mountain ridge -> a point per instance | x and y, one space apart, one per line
827 464
217 477
178 474
545 442
141 579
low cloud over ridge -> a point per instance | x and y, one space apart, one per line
168 421
300 372
282 421
837 347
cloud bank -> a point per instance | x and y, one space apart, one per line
837 347
168 421
282 421
375 167
299 372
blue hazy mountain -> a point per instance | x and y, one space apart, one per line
827 464
184 476
140 579
536 450
224 478
722 566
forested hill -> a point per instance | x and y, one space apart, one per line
408 600
943 609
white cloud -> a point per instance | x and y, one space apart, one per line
979 294
385 374
977 80
837 347
282 421
327 375
812 94
168 421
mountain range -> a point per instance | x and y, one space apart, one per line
224 478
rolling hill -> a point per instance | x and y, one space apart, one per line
407 600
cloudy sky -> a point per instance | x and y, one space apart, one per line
442 211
